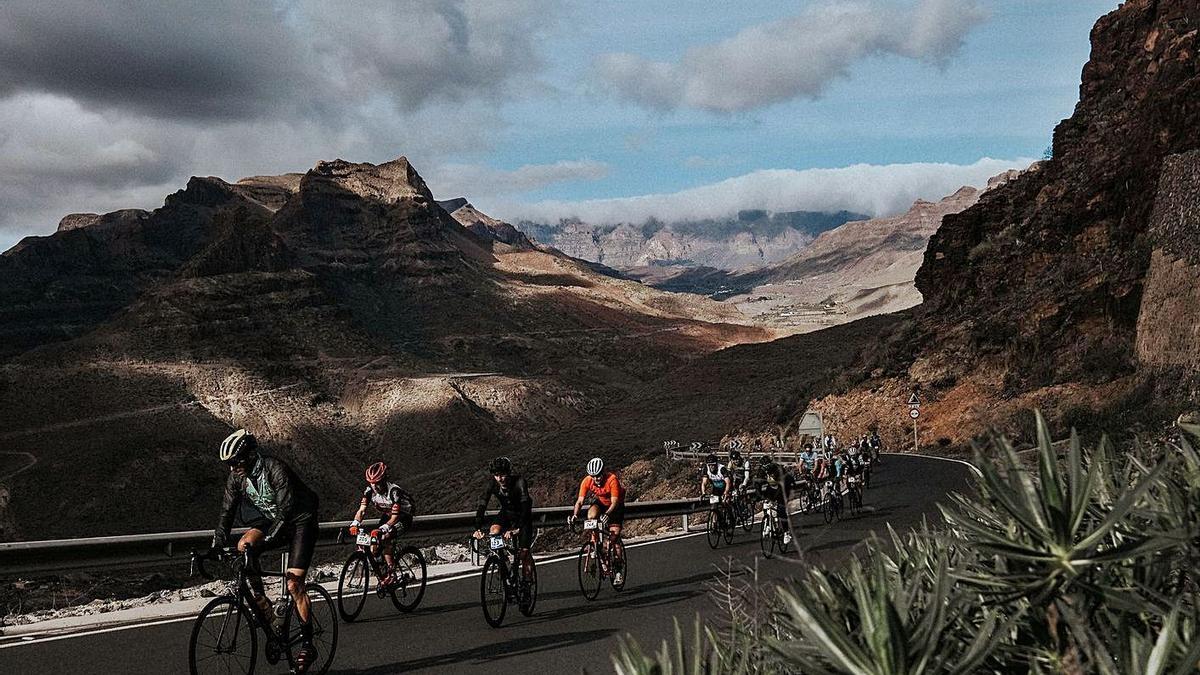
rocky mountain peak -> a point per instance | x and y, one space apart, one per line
387 183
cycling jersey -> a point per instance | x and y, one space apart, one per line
393 500
716 479
809 459
740 475
516 507
604 493
286 507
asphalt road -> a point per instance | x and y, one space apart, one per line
567 633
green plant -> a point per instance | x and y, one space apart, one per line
1084 564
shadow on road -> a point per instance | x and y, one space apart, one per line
490 652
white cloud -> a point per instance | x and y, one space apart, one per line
481 182
875 190
794 57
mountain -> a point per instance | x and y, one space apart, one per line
858 269
1071 288
752 239
340 314
485 226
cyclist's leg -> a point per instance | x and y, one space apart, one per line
253 538
304 540
524 543
616 523
593 511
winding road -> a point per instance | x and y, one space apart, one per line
668 579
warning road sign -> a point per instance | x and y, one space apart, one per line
913 400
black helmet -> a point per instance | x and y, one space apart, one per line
501 466
711 459
736 454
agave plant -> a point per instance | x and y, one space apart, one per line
1043 538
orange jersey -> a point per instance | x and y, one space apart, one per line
605 494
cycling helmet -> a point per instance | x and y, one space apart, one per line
501 466
237 446
711 459
377 473
594 466
736 455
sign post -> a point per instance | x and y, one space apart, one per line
914 411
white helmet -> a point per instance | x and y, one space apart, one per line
237 445
594 466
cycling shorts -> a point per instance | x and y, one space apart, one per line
507 520
617 517
300 535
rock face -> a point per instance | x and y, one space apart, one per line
1168 327
752 239
862 268
1045 276
485 226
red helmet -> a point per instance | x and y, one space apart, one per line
376 473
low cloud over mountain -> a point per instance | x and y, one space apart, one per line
876 190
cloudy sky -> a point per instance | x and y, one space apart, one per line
606 110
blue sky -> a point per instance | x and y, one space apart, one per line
532 108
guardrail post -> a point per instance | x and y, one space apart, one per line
686 527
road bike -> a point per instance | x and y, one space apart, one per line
742 510
404 582
225 635
771 538
832 508
720 522
600 558
502 581
854 495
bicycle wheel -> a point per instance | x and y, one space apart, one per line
620 562
766 538
713 528
827 508
528 601
409 573
324 629
223 640
589 570
839 505
353 585
747 517
728 519
493 595
781 544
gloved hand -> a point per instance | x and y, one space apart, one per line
384 529
572 519
604 520
354 530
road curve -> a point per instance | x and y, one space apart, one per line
567 633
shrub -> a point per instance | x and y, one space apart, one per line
1084 565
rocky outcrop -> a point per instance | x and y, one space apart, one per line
486 227
1043 279
123 217
1168 327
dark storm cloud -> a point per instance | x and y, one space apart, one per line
213 59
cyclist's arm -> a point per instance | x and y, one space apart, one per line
277 476
704 484
362 508
616 493
481 508
394 514
229 504
523 499
583 490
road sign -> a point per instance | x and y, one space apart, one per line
914 413
696 446
913 400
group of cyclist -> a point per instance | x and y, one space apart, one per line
279 509
825 463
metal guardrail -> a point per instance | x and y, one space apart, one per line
59 555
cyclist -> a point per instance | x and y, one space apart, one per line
808 459
280 510
775 492
853 466
395 507
739 473
516 508
607 492
876 444
714 480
